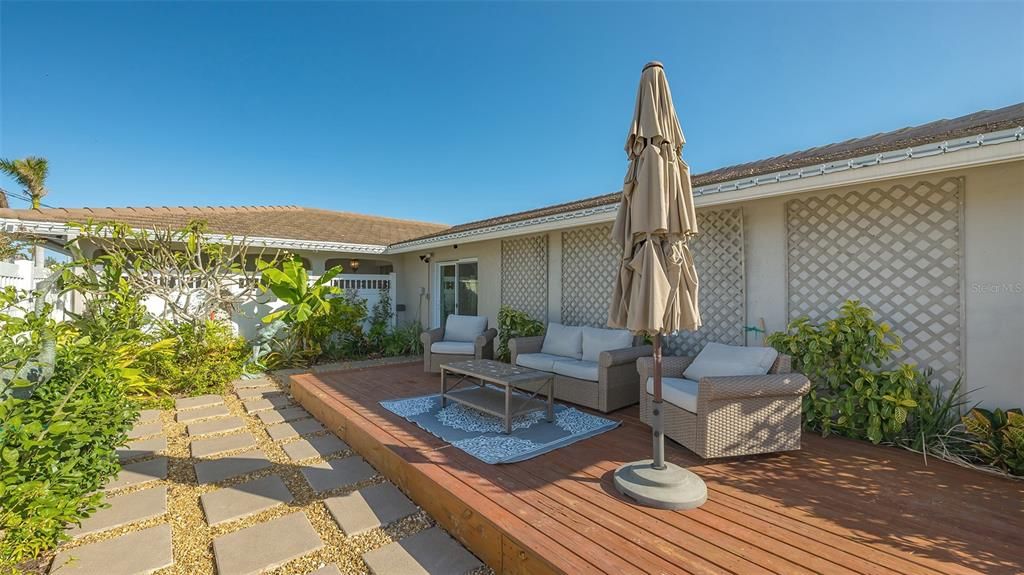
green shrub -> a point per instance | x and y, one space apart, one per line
204 359
998 438
513 323
851 394
58 436
403 340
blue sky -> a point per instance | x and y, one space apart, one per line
454 112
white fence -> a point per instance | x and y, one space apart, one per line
17 274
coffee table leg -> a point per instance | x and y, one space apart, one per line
551 400
444 388
508 409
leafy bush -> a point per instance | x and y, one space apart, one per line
205 357
58 435
403 340
513 323
852 395
380 321
998 438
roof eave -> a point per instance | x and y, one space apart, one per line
983 149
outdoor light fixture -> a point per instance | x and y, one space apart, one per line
354 264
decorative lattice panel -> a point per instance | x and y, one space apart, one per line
589 264
718 254
898 250
524 275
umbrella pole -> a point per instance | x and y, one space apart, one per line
658 424
655 482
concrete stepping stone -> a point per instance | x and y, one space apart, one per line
314 447
223 444
430 551
249 383
244 499
142 448
138 431
148 415
265 546
327 475
254 405
139 473
369 508
331 569
135 553
283 431
258 393
123 510
198 401
282 415
231 466
207 412
219 425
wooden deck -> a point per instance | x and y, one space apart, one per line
837 506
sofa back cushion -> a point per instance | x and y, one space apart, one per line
596 340
563 340
720 360
464 327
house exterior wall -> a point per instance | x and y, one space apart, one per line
987 241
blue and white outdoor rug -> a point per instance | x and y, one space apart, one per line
482 435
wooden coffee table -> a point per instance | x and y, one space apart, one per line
497 398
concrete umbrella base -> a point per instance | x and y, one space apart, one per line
670 488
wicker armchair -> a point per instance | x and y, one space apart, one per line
483 348
741 415
617 383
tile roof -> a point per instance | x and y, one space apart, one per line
981 122
282 222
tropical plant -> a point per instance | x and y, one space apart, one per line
513 323
193 276
204 358
30 173
998 438
851 394
305 302
58 435
403 340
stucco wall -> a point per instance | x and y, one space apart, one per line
993 273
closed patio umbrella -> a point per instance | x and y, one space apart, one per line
656 288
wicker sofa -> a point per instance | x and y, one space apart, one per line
467 337
730 416
607 380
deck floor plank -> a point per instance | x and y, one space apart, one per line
837 506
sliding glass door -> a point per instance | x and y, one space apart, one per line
458 289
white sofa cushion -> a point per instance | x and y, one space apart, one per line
718 359
541 361
596 340
453 347
563 340
681 393
578 368
464 327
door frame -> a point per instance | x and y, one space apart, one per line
435 288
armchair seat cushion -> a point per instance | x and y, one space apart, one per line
680 392
464 327
577 368
720 360
596 340
541 361
453 347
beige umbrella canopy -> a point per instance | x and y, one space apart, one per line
656 287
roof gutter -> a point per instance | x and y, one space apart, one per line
61 230
980 150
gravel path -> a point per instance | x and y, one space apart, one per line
251 485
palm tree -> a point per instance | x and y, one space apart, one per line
31 173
